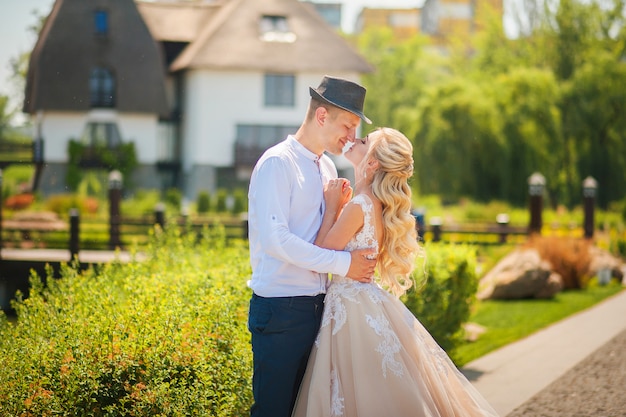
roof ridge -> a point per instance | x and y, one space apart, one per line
189 53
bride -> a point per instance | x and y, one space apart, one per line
372 357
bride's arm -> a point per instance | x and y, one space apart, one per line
341 221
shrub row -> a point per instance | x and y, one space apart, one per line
446 289
166 336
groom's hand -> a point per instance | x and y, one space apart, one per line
362 265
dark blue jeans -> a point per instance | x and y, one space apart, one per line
283 331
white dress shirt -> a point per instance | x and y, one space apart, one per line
286 203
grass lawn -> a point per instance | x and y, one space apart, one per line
511 320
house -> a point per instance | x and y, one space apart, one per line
200 88
403 22
443 21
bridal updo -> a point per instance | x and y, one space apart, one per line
399 249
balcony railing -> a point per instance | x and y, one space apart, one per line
247 155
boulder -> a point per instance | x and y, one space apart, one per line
520 274
605 266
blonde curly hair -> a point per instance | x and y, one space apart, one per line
399 248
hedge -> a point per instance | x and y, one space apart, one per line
162 337
443 300
166 335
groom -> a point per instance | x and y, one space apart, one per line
289 273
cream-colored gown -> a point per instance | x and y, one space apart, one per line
373 358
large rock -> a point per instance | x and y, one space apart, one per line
605 266
520 274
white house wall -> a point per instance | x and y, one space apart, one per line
215 102
142 130
57 128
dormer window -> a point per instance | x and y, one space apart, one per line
101 23
275 28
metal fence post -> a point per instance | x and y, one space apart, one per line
1 203
74 233
115 196
435 224
159 215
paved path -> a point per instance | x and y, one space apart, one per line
514 374
592 388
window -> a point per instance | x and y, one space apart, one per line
101 22
263 136
102 88
101 134
280 90
275 29
253 140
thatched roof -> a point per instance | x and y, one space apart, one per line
230 38
68 50
222 35
176 21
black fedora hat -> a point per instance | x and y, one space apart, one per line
341 93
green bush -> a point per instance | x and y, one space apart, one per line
15 178
174 198
621 247
221 196
203 202
122 157
163 336
142 202
61 204
443 303
241 201
166 335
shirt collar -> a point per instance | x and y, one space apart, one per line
302 150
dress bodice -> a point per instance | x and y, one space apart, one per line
366 237
372 357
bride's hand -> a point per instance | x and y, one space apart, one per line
337 193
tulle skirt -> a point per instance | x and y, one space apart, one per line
373 358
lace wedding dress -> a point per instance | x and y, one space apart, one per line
373 358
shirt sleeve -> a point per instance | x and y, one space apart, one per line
273 193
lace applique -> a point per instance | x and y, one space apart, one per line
336 402
366 237
345 288
389 346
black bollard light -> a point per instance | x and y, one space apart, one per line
590 185
536 185
503 224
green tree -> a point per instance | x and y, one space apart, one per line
402 71
5 116
528 100
595 107
459 146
